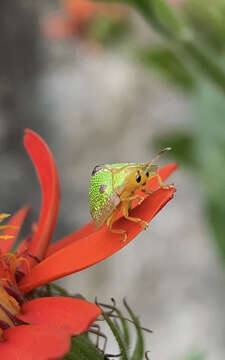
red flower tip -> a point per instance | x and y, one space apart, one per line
47 173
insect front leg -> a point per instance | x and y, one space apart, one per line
125 211
162 184
147 192
110 221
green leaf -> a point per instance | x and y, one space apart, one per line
169 65
195 355
124 330
117 336
167 16
159 14
83 349
209 146
205 62
59 289
108 31
207 17
139 347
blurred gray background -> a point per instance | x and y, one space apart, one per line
93 103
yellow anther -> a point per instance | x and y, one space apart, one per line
3 216
4 227
6 237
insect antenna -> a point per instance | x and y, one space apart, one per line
150 166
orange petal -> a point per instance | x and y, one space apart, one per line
86 230
70 314
34 342
95 247
56 27
16 220
47 173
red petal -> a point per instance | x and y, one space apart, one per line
47 173
78 234
16 220
95 247
70 314
24 244
86 230
34 342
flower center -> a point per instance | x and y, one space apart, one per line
10 296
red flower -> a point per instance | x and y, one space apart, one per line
53 320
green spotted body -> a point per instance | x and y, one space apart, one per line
106 185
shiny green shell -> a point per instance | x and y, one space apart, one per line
106 185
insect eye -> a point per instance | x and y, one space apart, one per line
147 174
138 178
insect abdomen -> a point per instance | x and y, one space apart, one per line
101 196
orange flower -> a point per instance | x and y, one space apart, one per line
77 16
45 325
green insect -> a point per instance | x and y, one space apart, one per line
113 188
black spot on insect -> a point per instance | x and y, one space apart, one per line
144 183
102 188
138 177
147 174
96 169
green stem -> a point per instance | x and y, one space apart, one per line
59 289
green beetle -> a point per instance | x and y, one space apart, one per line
113 187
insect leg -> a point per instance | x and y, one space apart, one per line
111 219
125 211
162 184
147 192
131 198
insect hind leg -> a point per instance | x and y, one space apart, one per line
125 211
110 221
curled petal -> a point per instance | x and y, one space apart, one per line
16 220
47 173
73 315
86 230
34 342
95 247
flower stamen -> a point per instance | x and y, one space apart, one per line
4 216
10 296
